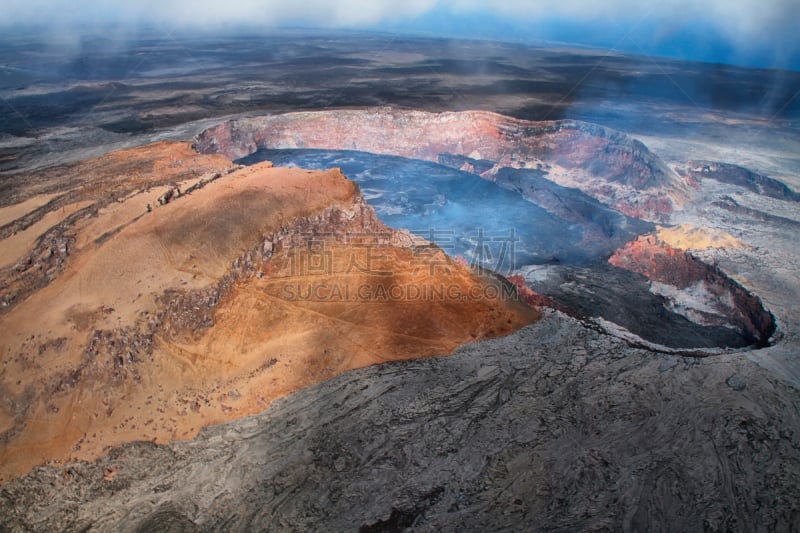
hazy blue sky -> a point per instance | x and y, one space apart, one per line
755 32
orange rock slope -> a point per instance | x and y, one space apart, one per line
201 292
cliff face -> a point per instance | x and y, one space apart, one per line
605 164
176 310
696 171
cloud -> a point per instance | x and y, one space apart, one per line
743 23
749 16
210 12
740 19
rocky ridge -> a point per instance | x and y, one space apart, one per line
95 198
698 170
211 305
528 158
554 427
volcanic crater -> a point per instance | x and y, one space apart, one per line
570 206
246 265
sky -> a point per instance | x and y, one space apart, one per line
745 32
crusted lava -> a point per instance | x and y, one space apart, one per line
696 171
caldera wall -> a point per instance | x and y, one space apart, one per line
603 163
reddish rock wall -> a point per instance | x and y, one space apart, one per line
662 263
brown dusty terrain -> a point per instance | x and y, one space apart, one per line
53 213
557 426
155 322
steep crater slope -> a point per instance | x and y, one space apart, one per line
171 311
607 165
525 220
700 292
